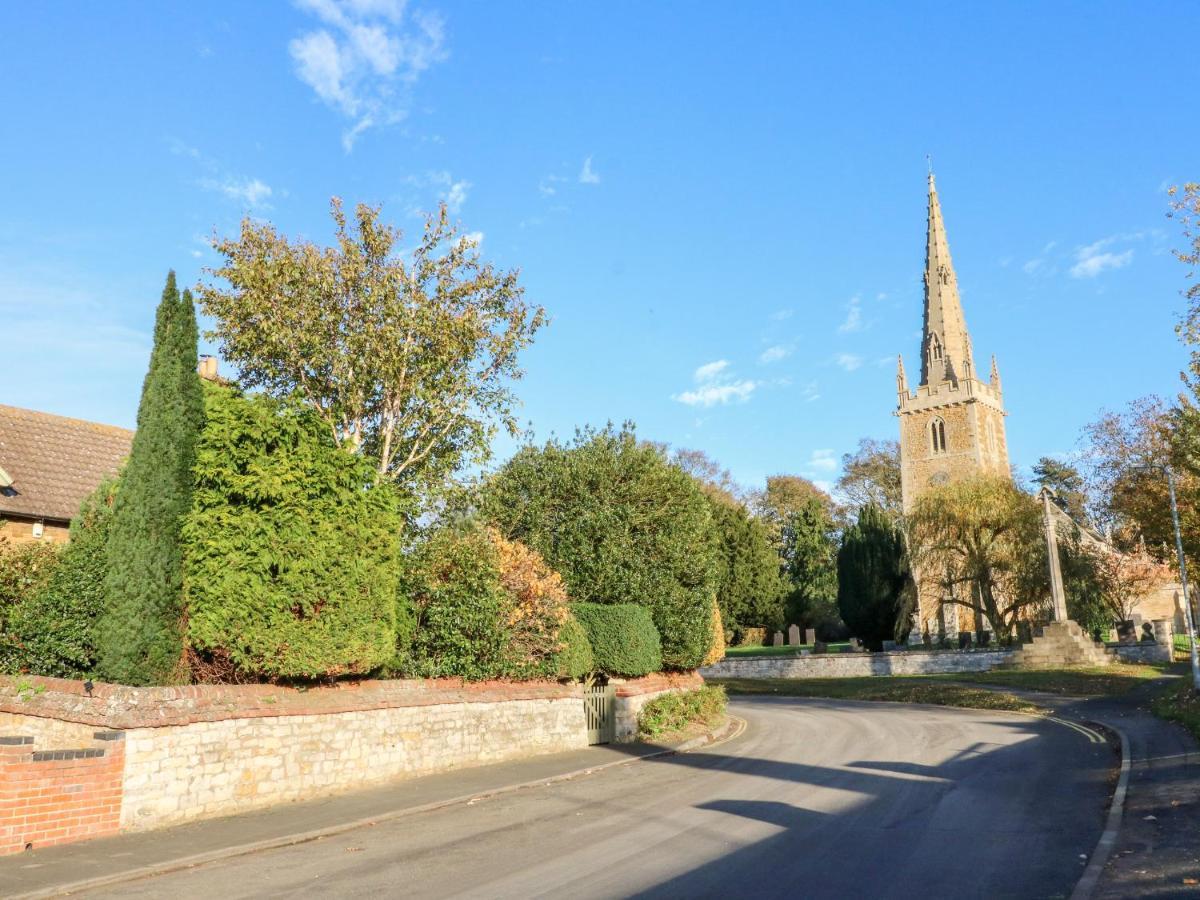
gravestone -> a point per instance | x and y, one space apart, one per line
794 635
810 636
889 646
777 640
820 647
964 640
1164 632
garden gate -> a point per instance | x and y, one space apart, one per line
600 700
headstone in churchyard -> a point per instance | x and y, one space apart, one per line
985 638
777 640
810 636
889 645
1164 632
820 647
927 639
964 640
794 635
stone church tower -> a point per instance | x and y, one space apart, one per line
952 425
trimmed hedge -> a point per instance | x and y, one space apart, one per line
623 637
291 549
576 658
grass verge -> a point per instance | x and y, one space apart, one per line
918 689
683 713
785 650
1179 703
1102 681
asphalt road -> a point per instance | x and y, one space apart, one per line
817 798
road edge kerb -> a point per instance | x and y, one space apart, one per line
732 728
1090 879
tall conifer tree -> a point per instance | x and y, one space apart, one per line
140 634
874 582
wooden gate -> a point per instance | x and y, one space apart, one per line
600 701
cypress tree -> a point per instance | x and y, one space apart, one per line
874 589
140 634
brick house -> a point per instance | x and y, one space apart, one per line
48 465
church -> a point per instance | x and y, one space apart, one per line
952 424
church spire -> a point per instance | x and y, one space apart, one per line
946 346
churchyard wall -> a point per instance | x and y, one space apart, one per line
857 665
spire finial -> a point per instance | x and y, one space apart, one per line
929 164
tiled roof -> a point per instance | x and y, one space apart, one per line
55 462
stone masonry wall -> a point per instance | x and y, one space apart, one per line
202 751
853 665
634 694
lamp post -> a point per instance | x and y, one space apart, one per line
1183 583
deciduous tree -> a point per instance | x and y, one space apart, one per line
410 362
871 475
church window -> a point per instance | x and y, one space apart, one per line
991 437
935 347
937 435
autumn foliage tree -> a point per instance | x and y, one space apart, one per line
409 362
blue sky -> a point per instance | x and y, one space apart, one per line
722 206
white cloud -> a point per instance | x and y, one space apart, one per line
709 371
1093 259
456 196
822 461
713 394
774 354
474 238
782 314
248 191
853 320
365 57
810 393
450 190
848 361
716 386
587 175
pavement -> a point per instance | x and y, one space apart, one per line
817 798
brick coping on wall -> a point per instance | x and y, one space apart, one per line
116 706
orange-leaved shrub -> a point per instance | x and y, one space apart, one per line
716 650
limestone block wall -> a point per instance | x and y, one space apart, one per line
854 665
633 694
196 752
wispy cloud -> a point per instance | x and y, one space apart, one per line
848 361
450 190
365 57
548 186
474 238
782 314
810 393
775 354
1095 258
822 461
248 191
251 193
716 386
853 321
587 175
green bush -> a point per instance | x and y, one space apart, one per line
750 590
55 627
24 569
576 658
453 583
875 588
623 637
670 713
621 525
292 548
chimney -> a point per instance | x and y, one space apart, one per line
207 368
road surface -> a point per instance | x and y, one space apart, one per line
818 798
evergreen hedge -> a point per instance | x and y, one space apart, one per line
621 525
292 549
623 638
54 629
575 657
24 570
141 634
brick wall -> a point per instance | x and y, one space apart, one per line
54 796
854 665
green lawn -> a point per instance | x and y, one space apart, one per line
1113 680
900 689
786 650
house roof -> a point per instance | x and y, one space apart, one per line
55 462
